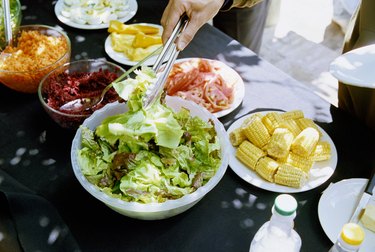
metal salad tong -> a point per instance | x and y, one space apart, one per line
156 90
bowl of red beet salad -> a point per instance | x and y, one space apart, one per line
66 91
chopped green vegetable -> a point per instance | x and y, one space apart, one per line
149 155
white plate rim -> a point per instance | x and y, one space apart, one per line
133 7
323 205
239 91
252 178
339 71
332 220
121 57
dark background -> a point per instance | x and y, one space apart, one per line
35 151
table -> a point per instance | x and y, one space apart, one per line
35 152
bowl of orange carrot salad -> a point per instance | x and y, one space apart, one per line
36 50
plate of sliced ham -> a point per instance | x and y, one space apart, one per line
209 83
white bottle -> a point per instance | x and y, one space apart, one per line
278 234
350 238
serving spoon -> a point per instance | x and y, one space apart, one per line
86 103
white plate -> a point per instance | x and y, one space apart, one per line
230 76
133 7
356 67
336 206
319 173
122 58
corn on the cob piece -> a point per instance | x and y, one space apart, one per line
247 120
291 125
297 161
322 152
304 123
283 159
280 142
236 137
290 176
293 114
249 154
256 132
304 144
266 168
272 120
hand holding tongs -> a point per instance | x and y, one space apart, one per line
155 92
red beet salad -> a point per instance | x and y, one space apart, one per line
66 87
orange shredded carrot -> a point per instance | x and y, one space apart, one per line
34 51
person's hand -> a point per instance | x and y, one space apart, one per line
198 12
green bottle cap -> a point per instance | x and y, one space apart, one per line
285 204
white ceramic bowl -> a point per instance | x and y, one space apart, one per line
152 211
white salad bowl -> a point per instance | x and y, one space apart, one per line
152 211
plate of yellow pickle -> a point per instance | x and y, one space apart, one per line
130 43
281 151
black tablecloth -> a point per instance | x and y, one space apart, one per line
43 206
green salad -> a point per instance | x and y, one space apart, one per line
149 155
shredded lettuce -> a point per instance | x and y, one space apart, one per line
149 155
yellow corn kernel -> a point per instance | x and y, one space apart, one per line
304 123
236 137
300 162
266 168
282 160
256 132
322 152
272 121
280 142
304 144
250 118
291 125
290 176
249 154
293 114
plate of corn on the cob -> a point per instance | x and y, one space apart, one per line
281 151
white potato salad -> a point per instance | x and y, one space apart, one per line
94 12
